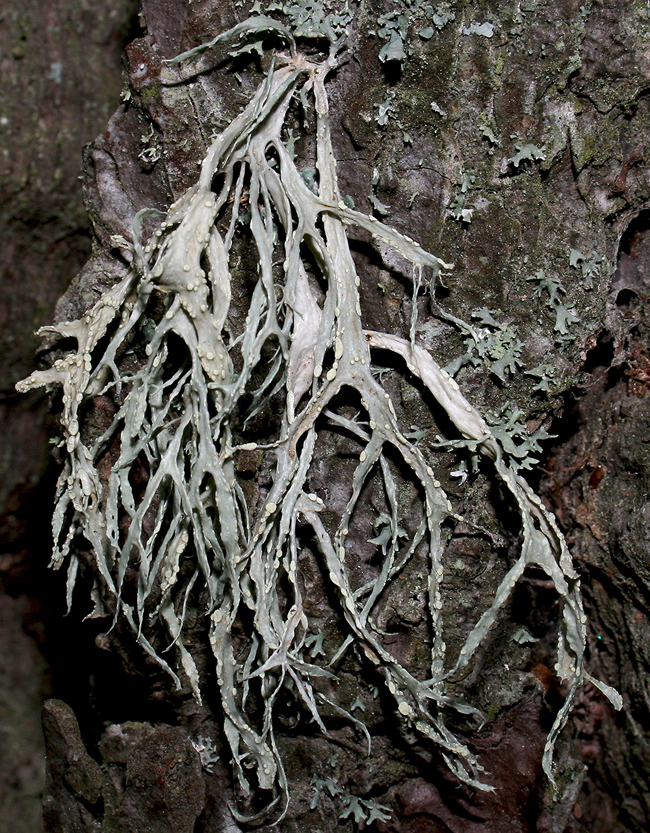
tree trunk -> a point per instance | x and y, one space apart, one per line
508 141
59 83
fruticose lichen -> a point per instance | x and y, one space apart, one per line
179 418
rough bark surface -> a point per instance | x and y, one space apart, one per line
59 82
513 143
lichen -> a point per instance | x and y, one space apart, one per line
183 417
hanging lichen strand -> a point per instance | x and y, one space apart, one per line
176 417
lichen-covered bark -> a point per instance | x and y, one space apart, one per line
511 143
598 480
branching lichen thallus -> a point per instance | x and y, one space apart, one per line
175 417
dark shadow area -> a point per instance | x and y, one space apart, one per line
632 276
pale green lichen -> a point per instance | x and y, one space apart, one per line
485 30
458 209
526 153
178 414
323 785
393 27
364 810
552 289
208 753
494 345
590 265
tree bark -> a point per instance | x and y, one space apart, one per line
59 82
511 142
